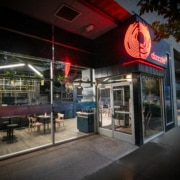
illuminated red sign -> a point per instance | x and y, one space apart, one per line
157 58
137 40
67 68
142 62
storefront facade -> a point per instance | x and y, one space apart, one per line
44 71
126 86
135 96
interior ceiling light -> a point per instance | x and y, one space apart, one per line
11 65
35 70
128 76
106 79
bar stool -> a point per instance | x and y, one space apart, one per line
10 132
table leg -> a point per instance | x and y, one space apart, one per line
10 134
44 126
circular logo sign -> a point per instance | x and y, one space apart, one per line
137 40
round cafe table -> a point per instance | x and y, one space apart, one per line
10 132
9 118
5 123
44 119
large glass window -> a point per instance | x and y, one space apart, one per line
26 94
168 95
73 101
152 106
24 101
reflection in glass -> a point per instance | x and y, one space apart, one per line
152 103
21 77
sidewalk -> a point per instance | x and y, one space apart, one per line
70 161
156 160
99 157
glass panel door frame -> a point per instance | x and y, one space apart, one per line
111 132
125 114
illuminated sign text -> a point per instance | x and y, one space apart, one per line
157 58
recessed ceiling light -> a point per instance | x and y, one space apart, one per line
89 27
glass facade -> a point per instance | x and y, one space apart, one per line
168 95
152 106
47 89
39 110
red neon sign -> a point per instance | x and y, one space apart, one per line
137 40
157 58
143 62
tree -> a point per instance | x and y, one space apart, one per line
169 10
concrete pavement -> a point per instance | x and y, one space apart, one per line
98 157
156 160
70 161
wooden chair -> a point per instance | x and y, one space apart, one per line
33 123
36 123
60 119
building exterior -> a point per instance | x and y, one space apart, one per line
120 84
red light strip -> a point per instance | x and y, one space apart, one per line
142 62
67 68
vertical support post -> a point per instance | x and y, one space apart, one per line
51 91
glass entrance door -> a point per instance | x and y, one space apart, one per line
116 111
